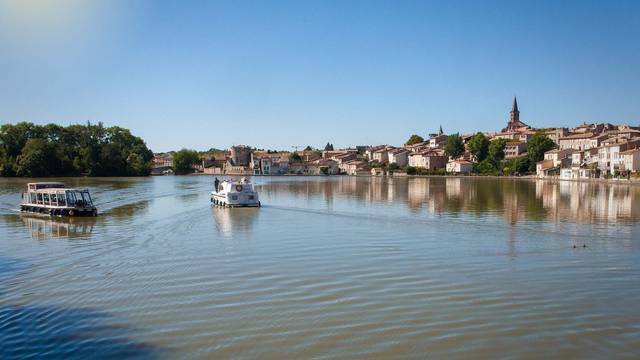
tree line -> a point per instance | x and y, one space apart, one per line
33 150
490 155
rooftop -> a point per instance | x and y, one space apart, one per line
545 164
585 135
554 151
631 151
430 152
424 143
462 162
398 151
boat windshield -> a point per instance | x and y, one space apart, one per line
79 198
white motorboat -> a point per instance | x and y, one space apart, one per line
231 193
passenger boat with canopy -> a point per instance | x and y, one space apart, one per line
54 199
230 193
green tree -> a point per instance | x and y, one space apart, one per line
137 166
479 146
73 150
295 157
414 139
328 147
87 160
110 161
454 146
36 159
496 151
411 170
537 146
308 148
5 165
486 167
517 166
183 161
13 138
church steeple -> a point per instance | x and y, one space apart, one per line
515 114
514 118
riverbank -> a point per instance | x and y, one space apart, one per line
632 181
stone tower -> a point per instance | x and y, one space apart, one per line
515 114
514 118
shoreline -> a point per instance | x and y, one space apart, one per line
631 182
506 177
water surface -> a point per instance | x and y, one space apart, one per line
337 267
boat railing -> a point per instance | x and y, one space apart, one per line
56 198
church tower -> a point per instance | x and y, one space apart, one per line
515 114
514 118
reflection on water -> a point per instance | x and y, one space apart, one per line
66 333
235 221
330 267
41 227
129 210
514 199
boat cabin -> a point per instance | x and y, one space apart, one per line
54 199
231 193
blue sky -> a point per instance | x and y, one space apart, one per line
273 74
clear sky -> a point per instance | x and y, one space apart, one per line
274 74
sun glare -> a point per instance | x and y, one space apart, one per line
49 20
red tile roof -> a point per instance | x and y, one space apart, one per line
578 136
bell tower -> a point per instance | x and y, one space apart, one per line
515 114
514 118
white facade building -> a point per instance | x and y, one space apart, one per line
459 166
399 157
559 156
630 160
428 159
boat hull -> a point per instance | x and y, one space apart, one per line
58 211
241 201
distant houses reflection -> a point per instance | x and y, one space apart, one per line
513 199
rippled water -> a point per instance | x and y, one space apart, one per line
330 267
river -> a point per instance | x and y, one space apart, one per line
335 267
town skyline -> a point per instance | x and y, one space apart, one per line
511 123
587 151
320 145
282 74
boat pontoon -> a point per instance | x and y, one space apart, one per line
230 193
53 198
